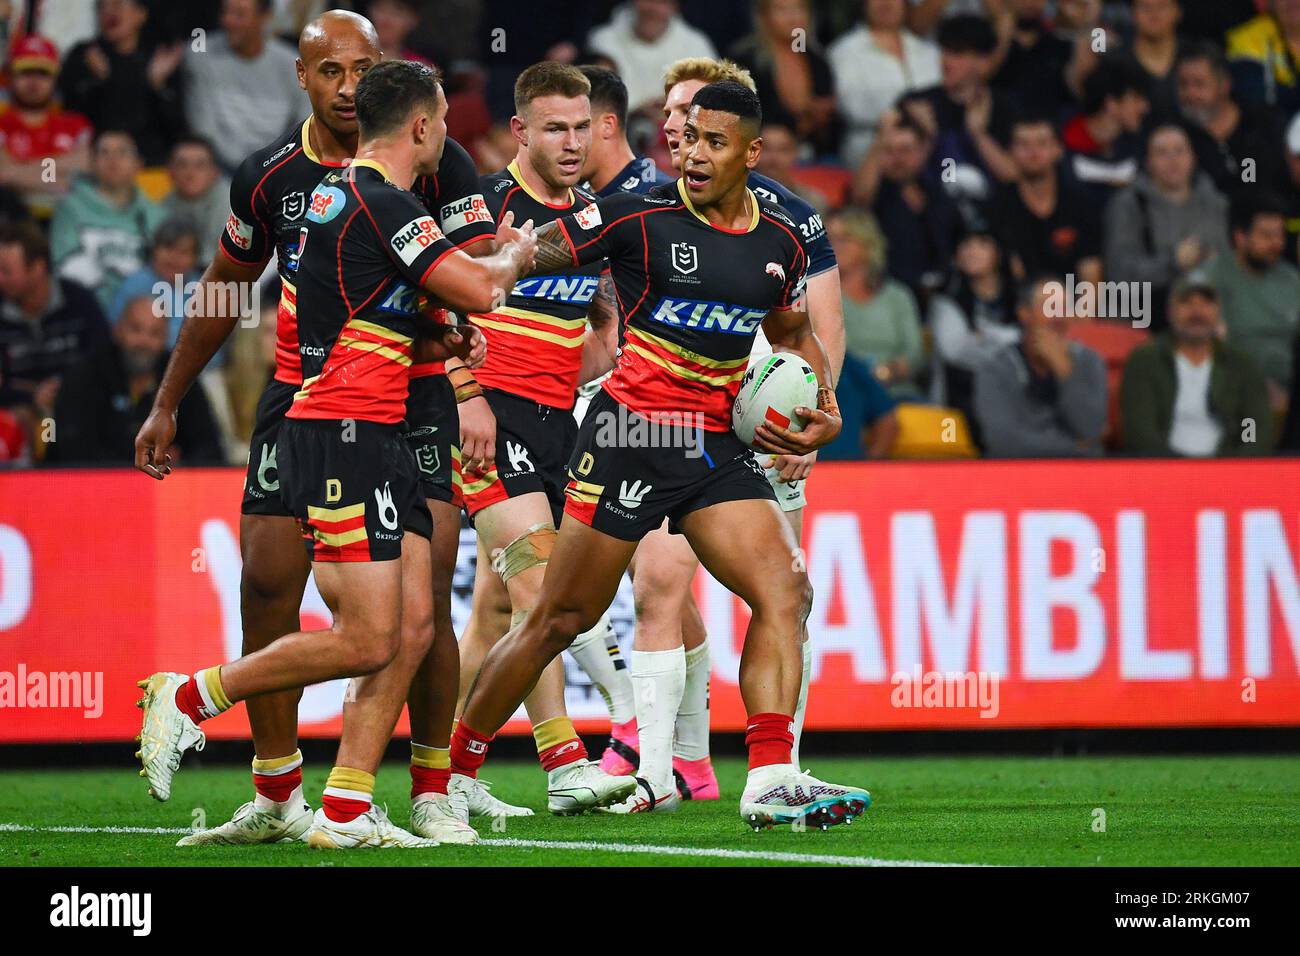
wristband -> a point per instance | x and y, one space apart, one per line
464 384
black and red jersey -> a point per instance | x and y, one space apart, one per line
268 202
691 295
535 339
366 248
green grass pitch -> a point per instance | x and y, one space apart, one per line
1155 811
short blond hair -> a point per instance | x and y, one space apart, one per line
549 78
708 70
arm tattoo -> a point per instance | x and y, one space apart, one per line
553 250
604 304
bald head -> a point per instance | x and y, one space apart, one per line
333 27
334 52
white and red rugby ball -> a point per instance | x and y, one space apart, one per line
770 392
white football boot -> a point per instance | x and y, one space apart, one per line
646 799
287 823
781 793
370 829
479 800
165 732
581 786
437 816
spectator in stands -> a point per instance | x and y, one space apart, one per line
794 80
394 22
1045 224
1103 142
874 64
968 122
1265 57
1169 221
868 412
1031 60
199 192
1155 51
1241 149
100 231
1044 397
173 261
1260 291
46 324
106 398
119 81
1292 190
241 90
920 222
643 38
971 321
1189 393
882 325
34 130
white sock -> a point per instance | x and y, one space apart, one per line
806 649
597 653
658 677
691 738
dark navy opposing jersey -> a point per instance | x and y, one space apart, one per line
639 176
691 295
821 256
534 341
365 249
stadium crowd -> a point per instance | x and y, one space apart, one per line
1064 227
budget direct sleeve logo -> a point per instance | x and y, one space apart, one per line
416 236
326 203
465 212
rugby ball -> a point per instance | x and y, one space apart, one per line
770 391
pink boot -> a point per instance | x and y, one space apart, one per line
695 779
621 757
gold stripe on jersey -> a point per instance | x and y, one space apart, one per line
338 540
336 514
753 204
513 170
365 345
584 491
307 383
690 374
491 321
361 325
725 365
482 484
289 297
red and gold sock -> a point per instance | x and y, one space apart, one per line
468 749
202 696
348 794
430 769
770 738
276 778
558 743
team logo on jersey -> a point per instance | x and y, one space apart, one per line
413 238
240 232
464 212
404 300
387 510
775 270
292 206
265 467
588 218
631 496
686 258
326 203
707 316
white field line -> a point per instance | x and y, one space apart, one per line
770 856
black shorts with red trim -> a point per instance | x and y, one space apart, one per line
353 486
262 480
533 446
627 474
433 432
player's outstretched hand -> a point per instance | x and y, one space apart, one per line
151 444
819 429
478 435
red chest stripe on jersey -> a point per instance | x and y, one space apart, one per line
364 336
423 369
685 363
288 361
